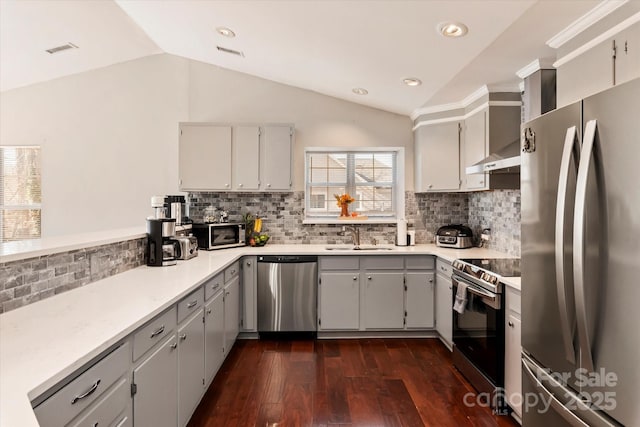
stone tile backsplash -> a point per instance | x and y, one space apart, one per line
26 281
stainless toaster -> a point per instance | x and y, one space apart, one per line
188 247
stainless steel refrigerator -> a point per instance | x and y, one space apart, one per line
580 178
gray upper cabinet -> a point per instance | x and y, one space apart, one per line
276 158
204 157
437 157
594 71
217 157
246 158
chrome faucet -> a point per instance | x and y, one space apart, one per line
355 234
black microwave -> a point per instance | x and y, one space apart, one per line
219 236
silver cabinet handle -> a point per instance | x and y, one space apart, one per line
510 324
157 332
89 392
233 272
588 150
239 185
209 311
174 346
95 424
216 286
567 320
192 304
369 278
268 185
183 337
227 293
248 263
355 277
226 185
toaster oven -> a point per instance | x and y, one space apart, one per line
220 235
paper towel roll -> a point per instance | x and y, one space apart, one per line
401 239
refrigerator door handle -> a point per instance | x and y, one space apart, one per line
567 320
578 245
551 391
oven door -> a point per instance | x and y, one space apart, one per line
478 332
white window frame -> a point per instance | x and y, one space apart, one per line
309 218
35 206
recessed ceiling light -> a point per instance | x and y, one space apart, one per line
412 81
359 91
452 29
227 32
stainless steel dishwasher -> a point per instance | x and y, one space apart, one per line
287 293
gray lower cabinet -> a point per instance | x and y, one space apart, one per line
213 336
249 294
384 300
339 301
156 379
419 300
190 365
231 312
111 410
444 303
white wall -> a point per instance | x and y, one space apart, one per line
108 137
220 95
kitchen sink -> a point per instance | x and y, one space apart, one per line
358 248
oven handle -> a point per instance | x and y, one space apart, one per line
474 289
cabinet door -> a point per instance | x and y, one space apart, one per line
444 308
339 301
249 291
384 301
512 367
231 313
204 157
155 401
475 148
246 158
276 158
437 151
190 366
419 300
213 336
628 57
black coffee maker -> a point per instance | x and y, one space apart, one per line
163 248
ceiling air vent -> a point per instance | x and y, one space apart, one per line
231 51
61 48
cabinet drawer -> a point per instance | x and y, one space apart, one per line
153 333
109 409
76 396
190 304
340 263
213 286
231 271
513 300
444 267
383 262
423 262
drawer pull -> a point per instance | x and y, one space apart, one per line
248 263
355 277
89 392
510 324
369 278
209 311
157 331
95 424
174 346
183 337
216 286
233 272
192 304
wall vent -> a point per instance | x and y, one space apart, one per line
62 48
231 51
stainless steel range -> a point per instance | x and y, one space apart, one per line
478 323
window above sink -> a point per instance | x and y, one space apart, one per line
373 176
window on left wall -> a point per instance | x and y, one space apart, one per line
20 193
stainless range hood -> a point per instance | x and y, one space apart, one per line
505 160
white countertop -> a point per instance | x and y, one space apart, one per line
44 342
514 282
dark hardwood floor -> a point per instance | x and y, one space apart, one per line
368 382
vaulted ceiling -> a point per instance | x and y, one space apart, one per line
326 46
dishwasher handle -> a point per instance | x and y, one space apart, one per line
287 259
